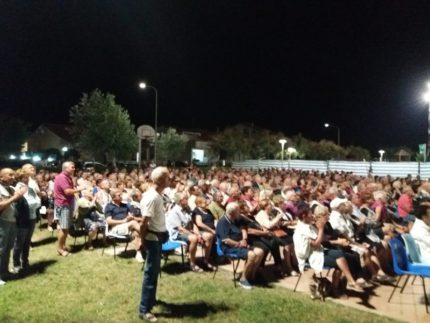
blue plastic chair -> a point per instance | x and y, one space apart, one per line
402 266
170 246
234 259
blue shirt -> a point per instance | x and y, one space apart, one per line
117 212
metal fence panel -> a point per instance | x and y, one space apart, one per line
397 169
358 168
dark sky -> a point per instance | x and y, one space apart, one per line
284 65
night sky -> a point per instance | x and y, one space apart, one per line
284 65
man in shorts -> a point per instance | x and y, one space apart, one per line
122 222
64 201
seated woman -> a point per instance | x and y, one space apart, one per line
274 223
308 244
88 216
205 222
181 227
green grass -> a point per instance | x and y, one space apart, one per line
88 287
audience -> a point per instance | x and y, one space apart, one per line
331 219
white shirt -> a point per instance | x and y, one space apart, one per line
175 218
341 224
302 237
421 233
152 205
263 219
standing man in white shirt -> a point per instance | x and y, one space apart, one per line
152 229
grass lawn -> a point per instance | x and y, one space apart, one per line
88 287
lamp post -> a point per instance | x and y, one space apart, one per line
327 125
143 86
426 98
381 154
282 142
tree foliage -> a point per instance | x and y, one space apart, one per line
102 127
13 133
241 142
171 145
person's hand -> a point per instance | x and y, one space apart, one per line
343 242
21 191
130 218
320 223
243 243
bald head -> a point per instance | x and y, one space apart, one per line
7 176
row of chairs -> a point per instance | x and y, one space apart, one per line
407 262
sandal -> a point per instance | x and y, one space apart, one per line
148 317
63 253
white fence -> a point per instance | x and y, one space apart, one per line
395 169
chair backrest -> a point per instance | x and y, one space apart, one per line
400 259
219 251
412 248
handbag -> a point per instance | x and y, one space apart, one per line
279 233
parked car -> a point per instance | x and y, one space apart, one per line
91 166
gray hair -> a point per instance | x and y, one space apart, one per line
231 207
67 164
158 173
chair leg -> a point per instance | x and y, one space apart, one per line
297 283
425 294
126 245
404 285
182 254
114 250
235 264
394 289
413 280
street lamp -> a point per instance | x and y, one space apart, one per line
143 86
426 98
282 142
291 151
327 125
381 154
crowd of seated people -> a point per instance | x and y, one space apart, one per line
301 218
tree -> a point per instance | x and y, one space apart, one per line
102 127
13 133
357 153
171 145
241 142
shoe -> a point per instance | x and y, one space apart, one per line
2 282
244 283
148 317
294 273
196 268
209 266
384 279
139 257
63 252
16 269
355 288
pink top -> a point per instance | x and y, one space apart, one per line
62 182
404 205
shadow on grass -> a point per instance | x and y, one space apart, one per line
174 268
193 310
34 269
43 242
